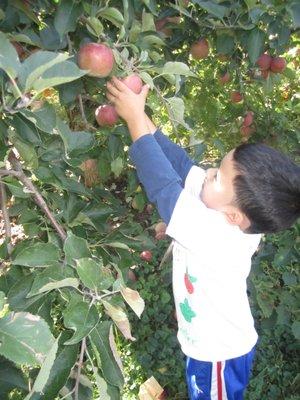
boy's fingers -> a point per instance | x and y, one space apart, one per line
120 85
145 90
112 89
110 97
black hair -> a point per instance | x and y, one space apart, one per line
266 187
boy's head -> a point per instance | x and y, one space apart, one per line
256 187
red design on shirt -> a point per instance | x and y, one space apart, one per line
188 281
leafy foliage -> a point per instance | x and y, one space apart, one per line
64 292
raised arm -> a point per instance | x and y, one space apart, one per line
161 182
177 156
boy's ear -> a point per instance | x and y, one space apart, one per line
235 217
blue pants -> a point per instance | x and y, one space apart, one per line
222 380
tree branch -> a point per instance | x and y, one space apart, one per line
5 215
11 172
80 363
36 195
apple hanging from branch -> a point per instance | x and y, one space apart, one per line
97 58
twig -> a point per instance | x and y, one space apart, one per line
166 255
82 110
5 215
70 47
11 172
80 363
36 195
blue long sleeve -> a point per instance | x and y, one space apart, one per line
175 154
162 183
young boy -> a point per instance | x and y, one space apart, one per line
216 218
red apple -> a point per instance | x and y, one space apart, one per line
146 255
224 78
200 49
160 27
278 64
264 61
160 24
106 115
247 130
97 58
248 119
134 83
236 97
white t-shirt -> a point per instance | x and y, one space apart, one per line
211 261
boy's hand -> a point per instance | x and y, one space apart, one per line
129 105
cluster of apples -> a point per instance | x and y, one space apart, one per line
99 60
269 64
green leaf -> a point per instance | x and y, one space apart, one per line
26 151
10 378
43 118
94 26
25 129
44 373
2 300
93 275
17 293
176 110
105 390
75 142
101 342
175 67
82 318
75 248
117 166
147 79
25 338
39 254
225 44
66 16
296 329
66 71
15 187
255 44
294 10
113 15
53 277
36 65
60 371
213 8
22 6
148 22
9 60
69 91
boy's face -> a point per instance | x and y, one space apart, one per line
218 192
